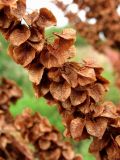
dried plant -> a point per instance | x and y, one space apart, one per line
44 137
106 22
77 89
103 35
28 136
9 93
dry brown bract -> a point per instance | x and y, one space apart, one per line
32 136
28 136
76 88
103 33
106 19
9 92
46 139
12 145
109 146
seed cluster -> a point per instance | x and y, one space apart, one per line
77 89
19 133
103 33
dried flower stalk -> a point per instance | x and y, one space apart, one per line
76 88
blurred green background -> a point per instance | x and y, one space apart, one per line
10 70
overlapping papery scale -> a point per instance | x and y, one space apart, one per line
100 28
71 85
46 139
12 145
28 136
9 93
76 88
108 147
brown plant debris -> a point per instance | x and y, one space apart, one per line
103 34
106 18
28 136
109 146
77 89
44 137
9 93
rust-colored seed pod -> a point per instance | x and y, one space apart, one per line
77 89
45 138
103 33
27 129
9 92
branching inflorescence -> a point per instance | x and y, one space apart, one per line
28 136
103 32
106 21
77 89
